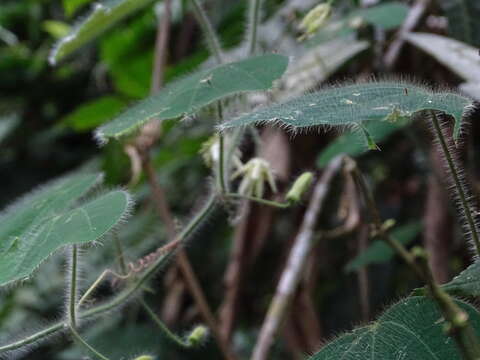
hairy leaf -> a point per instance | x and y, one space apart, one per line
411 329
467 283
379 252
40 223
459 57
356 104
188 95
102 17
353 144
463 18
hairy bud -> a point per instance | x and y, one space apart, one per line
299 187
198 335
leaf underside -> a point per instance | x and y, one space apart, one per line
411 329
352 105
188 95
52 217
101 18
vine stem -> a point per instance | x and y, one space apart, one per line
164 328
253 22
82 342
207 29
459 328
72 296
295 264
72 307
124 295
259 200
454 173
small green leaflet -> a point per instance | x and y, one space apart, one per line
410 329
103 16
186 96
379 252
353 105
353 144
51 217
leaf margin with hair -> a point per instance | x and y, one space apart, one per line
353 144
37 213
101 18
346 106
466 284
416 311
263 69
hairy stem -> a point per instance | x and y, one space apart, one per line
72 296
125 294
455 175
253 22
164 328
458 325
459 328
82 342
207 29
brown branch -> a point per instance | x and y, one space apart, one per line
413 17
295 264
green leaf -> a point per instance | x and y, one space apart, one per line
388 16
379 252
467 283
57 29
94 113
463 18
71 6
353 144
40 223
354 105
460 58
411 329
188 95
102 17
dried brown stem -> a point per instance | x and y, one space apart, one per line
295 264
413 17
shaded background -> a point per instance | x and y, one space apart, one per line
48 113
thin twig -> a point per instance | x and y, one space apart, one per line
185 267
161 48
72 298
295 264
413 17
253 23
212 39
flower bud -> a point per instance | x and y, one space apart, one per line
198 335
315 19
144 357
299 187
